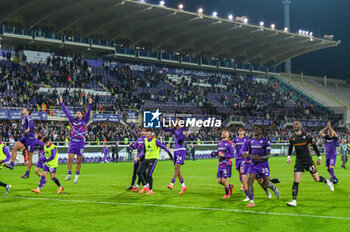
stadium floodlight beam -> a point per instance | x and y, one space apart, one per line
307 32
300 32
273 26
245 20
311 34
261 24
161 3
180 6
286 29
304 32
215 14
230 17
200 11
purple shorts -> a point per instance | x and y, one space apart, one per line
28 143
39 164
262 169
179 157
48 169
245 165
224 172
239 163
76 148
330 160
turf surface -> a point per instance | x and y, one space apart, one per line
99 202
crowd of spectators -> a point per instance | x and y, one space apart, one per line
10 131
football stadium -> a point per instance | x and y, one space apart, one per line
125 115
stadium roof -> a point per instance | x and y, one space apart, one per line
157 27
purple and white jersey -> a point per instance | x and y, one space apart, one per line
41 153
28 123
331 145
105 151
138 144
239 144
228 149
258 147
179 136
79 126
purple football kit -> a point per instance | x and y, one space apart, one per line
28 139
331 150
41 154
225 163
258 147
105 152
179 147
78 133
240 161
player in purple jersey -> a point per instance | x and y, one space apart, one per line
332 141
180 133
226 151
28 141
4 157
238 142
137 145
301 141
259 151
41 157
105 152
150 150
77 138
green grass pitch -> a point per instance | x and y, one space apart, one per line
99 202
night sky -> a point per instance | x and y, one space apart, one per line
331 17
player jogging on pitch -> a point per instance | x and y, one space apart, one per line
151 151
50 164
180 133
259 149
137 145
226 151
301 141
238 142
77 138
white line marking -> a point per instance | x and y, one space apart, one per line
181 207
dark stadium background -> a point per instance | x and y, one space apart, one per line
319 16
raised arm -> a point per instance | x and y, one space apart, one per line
322 132
70 118
88 111
39 143
161 145
167 129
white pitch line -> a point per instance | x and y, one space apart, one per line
180 207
